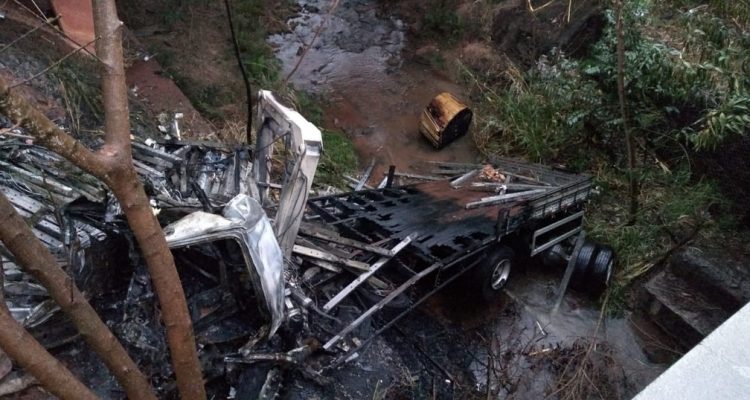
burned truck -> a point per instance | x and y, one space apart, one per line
382 252
276 280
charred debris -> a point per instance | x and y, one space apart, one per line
274 280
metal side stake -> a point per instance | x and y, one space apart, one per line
568 272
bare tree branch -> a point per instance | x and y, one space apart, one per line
53 65
36 28
122 178
114 87
36 259
113 165
27 352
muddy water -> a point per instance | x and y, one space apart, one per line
530 337
374 94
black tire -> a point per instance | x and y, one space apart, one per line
583 261
600 272
492 273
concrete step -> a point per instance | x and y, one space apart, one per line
720 274
681 309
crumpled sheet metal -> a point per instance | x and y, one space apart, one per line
244 221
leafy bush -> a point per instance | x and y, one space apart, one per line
441 21
544 116
686 86
691 89
338 159
698 92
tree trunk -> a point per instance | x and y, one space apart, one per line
36 259
121 177
629 143
113 164
153 245
27 352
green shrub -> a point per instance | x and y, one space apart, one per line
440 21
338 159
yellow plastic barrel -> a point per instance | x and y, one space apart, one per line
444 120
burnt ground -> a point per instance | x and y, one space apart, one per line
443 350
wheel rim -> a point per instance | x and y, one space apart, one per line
500 273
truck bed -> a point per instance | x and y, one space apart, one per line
445 215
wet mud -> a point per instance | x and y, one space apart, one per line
371 91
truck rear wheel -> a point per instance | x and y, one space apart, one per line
600 273
593 268
492 274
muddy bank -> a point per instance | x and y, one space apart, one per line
370 90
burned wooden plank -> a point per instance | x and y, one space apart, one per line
365 176
157 153
456 183
417 176
508 186
488 201
454 165
353 183
363 277
319 233
325 265
321 255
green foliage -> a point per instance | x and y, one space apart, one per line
80 91
680 93
338 159
731 117
207 99
738 10
672 207
687 87
251 22
544 115
692 89
440 21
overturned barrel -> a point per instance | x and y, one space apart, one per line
444 120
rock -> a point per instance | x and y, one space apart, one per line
724 278
697 292
524 36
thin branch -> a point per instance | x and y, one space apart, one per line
312 42
54 29
29 32
629 142
53 65
41 13
121 177
543 6
245 78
